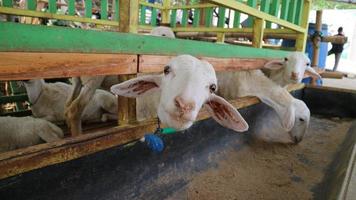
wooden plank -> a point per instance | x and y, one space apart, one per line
274 9
284 9
221 19
20 37
38 156
52 6
71 7
165 12
258 28
174 18
30 13
151 63
292 10
21 66
255 13
196 19
104 9
252 4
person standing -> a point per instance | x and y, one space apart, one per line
337 49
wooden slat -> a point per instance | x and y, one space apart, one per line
142 15
38 156
174 18
71 7
273 11
292 10
20 66
298 10
208 17
196 18
88 8
221 19
152 63
104 9
185 18
31 4
237 15
7 3
253 4
154 17
52 6
258 28
284 9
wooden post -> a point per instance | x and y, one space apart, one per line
220 37
258 29
300 43
165 12
128 16
128 23
318 24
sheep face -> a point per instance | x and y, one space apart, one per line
301 123
163 32
293 67
185 85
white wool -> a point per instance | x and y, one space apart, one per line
19 132
162 31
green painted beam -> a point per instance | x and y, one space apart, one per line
174 18
32 38
196 18
7 3
31 4
71 7
299 11
274 8
221 19
284 9
104 9
208 16
291 11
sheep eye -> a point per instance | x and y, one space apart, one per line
212 88
166 70
300 119
308 64
286 59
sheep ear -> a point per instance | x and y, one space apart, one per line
286 114
138 86
225 114
311 72
274 64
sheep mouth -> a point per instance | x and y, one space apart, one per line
181 118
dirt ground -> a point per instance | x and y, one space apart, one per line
266 171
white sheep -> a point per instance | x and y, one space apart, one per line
48 102
162 31
185 86
19 132
291 69
290 117
84 88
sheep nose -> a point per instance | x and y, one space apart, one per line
183 105
294 75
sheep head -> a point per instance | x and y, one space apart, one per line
294 67
185 85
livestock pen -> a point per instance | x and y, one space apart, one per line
107 163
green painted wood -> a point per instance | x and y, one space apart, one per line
196 18
104 9
274 8
185 18
208 16
88 8
7 3
291 11
237 19
71 7
174 18
221 19
32 38
265 6
253 4
142 15
284 9
154 17
117 6
13 98
31 4
298 11
52 6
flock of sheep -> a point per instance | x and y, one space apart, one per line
185 86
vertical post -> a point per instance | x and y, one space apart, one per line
258 29
128 23
220 37
165 12
318 23
302 37
273 11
